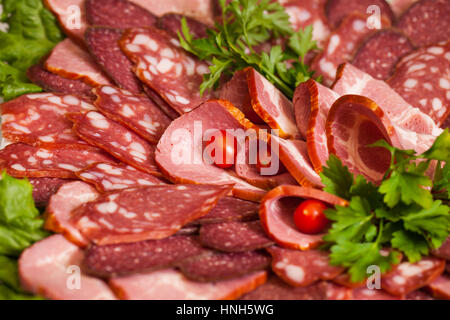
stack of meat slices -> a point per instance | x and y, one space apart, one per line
111 150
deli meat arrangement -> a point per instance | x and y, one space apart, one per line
165 170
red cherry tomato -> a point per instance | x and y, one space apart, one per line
309 217
227 143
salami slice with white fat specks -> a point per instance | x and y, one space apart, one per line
110 177
407 277
221 266
70 61
166 68
170 284
302 268
426 22
135 112
103 44
171 22
422 78
39 119
45 188
364 293
160 102
146 213
380 52
59 213
116 140
121 14
128 258
276 213
22 160
234 236
230 209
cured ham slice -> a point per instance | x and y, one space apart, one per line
71 16
51 268
276 213
59 213
351 80
146 213
137 113
70 61
165 67
110 177
39 119
302 268
170 284
312 102
116 140
21 160
422 78
179 153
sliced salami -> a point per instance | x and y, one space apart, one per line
337 10
276 213
44 268
165 67
422 78
364 293
59 213
128 258
275 289
271 105
146 213
116 140
71 16
312 102
70 61
444 251
171 22
44 188
221 266
103 45
418 295
230 209
440 288
21 160
121 14
407 277
163 105
302 268
426 22
53 83
351 80
137 113
310 12
39 119
111 177
234 236
170 284
400 6
179 152
342 44
380 52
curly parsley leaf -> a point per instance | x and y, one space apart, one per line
337 178
413 245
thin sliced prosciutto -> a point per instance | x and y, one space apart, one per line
276 213
51 268
146 213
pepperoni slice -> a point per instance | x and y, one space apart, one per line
39 119
146 213
111 177
115 139
165 67
137 113
277 215
21 160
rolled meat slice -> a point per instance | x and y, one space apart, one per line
276 213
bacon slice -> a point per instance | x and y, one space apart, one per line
146 213
51 268
59 212
70 61
276 213
170 284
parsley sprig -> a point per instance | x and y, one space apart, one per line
405 214
236 42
